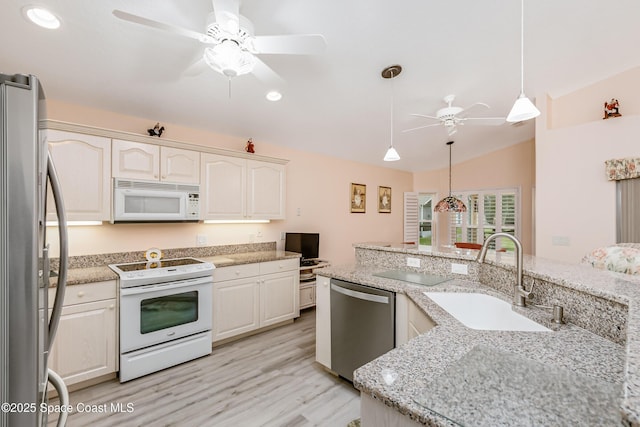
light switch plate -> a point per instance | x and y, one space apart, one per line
459 268
413 262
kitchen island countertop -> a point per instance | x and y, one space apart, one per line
587 358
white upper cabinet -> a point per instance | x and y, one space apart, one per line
236 188
265 190
137 160
83 166
178 165
224 187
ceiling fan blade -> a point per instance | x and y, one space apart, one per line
196 68
421 127
485 121
426 117
227 15
298 44
125 16
265 74
465 111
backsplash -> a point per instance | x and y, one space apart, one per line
101 260
599 315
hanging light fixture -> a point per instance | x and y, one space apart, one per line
523 108
450 203
391 73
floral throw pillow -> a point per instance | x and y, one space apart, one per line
622 259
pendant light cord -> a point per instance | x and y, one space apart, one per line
450 144
392 76
522 47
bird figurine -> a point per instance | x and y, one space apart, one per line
249 147
156 130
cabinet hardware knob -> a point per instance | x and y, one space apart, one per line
81 293
111 307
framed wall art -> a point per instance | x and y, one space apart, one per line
384 199
358 198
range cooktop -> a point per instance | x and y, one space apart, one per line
160 271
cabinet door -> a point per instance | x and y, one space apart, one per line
83 166
223 187
85 343
236 307
135 160
265 190
279 298
419 322
323 321
177 165
307 296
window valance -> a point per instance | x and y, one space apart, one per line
626 168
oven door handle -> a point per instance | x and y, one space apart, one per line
165 286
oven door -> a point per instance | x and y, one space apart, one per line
154 314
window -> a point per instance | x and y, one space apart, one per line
488 212
418 218
628 208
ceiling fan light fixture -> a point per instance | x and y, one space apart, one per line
523 109
392 155
229 59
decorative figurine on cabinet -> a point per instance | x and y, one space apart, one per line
249 147
611 109
156 130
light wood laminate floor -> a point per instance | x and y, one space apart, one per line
269 379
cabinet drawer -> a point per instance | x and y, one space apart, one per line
307 296
86 292
236 272
280 265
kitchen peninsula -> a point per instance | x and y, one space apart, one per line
584 372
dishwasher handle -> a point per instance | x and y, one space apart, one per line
360 295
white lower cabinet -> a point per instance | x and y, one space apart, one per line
85 345
252 296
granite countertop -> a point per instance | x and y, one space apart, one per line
82 275
425 360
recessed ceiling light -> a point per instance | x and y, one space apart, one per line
274 96
42 17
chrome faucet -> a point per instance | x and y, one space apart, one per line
519 293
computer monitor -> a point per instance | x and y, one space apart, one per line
303 243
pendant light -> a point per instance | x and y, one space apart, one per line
450 203
523 109
391 73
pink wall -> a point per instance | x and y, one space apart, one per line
586 105
575 204
513 166
317 188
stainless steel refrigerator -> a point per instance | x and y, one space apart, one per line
26 333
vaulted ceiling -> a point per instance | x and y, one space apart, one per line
334 103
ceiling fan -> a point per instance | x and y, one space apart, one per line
231 46
451 116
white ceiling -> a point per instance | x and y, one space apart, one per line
335 103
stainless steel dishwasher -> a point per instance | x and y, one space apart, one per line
362 325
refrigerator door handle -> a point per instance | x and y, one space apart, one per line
64 250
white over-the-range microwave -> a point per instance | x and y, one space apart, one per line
152 201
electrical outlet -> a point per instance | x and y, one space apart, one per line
459 268
283 235
413 262
201 240
560 240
